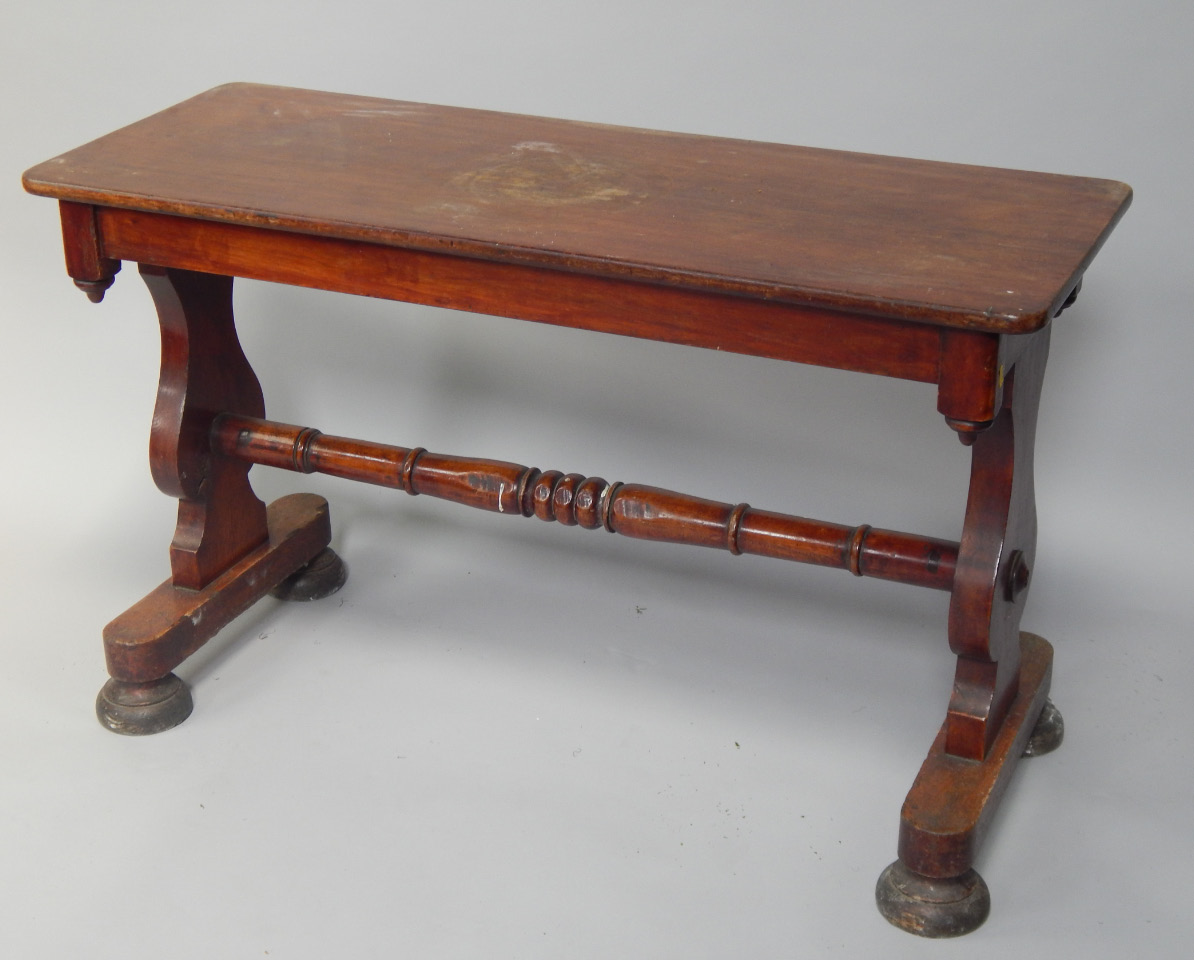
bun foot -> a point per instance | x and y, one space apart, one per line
930 906
138 709
1048 732
320 578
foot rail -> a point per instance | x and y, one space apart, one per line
641 512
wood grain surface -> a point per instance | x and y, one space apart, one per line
942 243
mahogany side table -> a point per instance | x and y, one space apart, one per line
939 273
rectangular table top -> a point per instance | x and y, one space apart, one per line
942 243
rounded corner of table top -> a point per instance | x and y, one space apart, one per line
34 180
857 233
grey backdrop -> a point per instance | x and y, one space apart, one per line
510 740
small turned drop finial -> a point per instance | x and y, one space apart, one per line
95 289
968 430
1071 297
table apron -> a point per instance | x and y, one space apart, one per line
626 307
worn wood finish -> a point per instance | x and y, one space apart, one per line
939 273
963 246
155 635
933 890
949 809
644 513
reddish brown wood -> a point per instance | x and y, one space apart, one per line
970 382
92 271
963 246
949 809
644 513
611 305
995 559
154 636
932 272
204 372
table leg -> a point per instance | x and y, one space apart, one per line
999 709
228 551
933 889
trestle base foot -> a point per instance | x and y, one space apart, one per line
1047 734
138 709
931 906
932 890
146 642
320 578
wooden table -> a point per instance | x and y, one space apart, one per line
939 273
